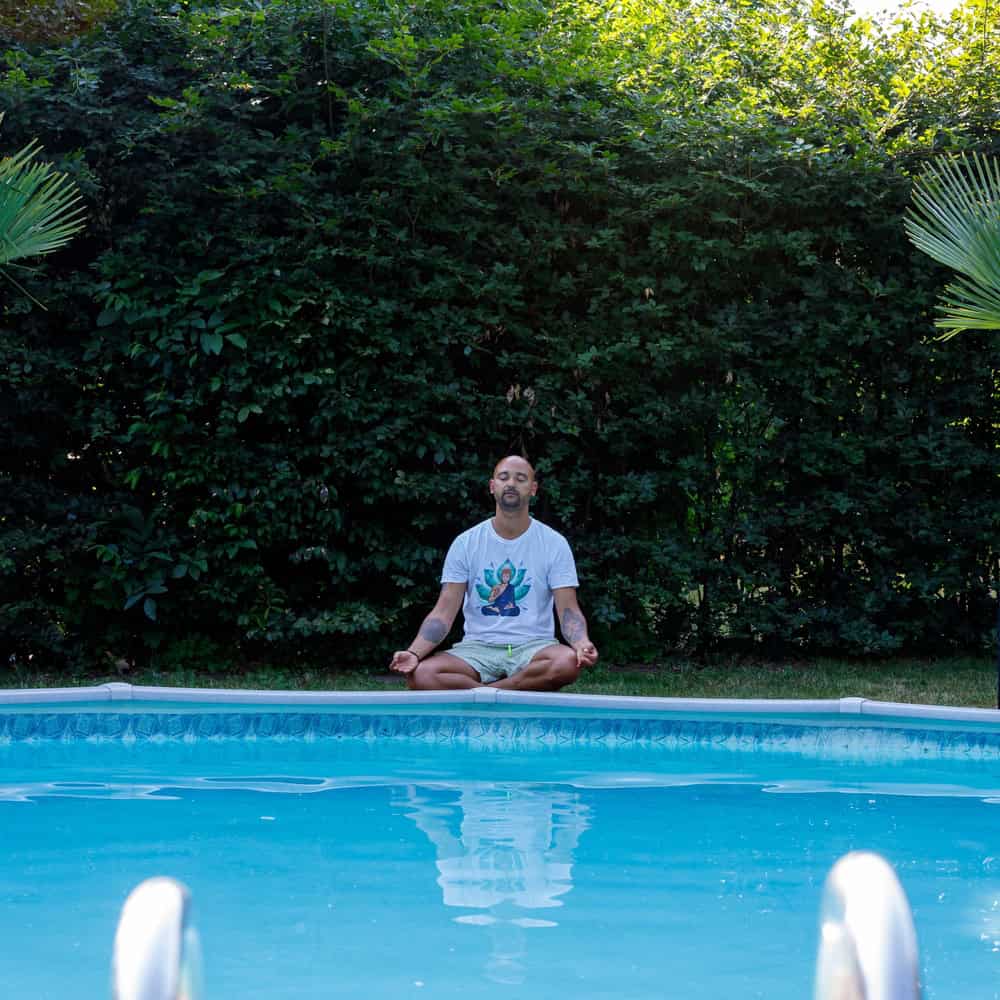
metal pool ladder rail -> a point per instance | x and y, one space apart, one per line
157 955
867 947
867 944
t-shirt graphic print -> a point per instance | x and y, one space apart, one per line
502 590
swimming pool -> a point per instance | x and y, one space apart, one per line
491 846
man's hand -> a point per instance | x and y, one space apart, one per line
586 653
404 661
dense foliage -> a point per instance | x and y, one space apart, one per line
342 256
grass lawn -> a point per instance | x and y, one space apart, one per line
969 681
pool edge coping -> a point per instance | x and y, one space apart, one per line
118 691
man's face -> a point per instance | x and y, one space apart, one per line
513 484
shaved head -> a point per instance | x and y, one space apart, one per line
517 462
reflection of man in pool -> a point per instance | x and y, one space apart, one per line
504 844
501 647
502 852
503 601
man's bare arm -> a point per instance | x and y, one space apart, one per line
433 630
574 625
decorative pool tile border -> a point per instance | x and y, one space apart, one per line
752 735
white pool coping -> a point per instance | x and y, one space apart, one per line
121 692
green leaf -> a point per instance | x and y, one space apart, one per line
211 343
149 608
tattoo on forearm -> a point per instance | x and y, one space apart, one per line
433 630
574 625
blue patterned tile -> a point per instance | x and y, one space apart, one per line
23 727
415 728
266 725
835 741
326 727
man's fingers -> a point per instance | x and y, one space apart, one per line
401 664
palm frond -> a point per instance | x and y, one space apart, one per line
965 305
40 209
955 219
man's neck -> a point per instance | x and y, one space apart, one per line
511 525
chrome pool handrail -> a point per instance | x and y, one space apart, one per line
867 946
157 955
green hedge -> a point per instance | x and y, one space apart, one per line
340 258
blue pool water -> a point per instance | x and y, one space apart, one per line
489 853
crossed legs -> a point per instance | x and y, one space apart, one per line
549 669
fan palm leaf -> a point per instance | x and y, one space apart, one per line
955 219
40 209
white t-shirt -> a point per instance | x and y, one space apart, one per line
509 581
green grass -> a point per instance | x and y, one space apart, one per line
964 681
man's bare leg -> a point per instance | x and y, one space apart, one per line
443 672
550 669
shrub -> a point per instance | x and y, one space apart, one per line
342 258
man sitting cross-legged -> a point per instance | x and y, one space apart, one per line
506 573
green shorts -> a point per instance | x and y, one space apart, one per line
493 663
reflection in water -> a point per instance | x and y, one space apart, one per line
501 850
